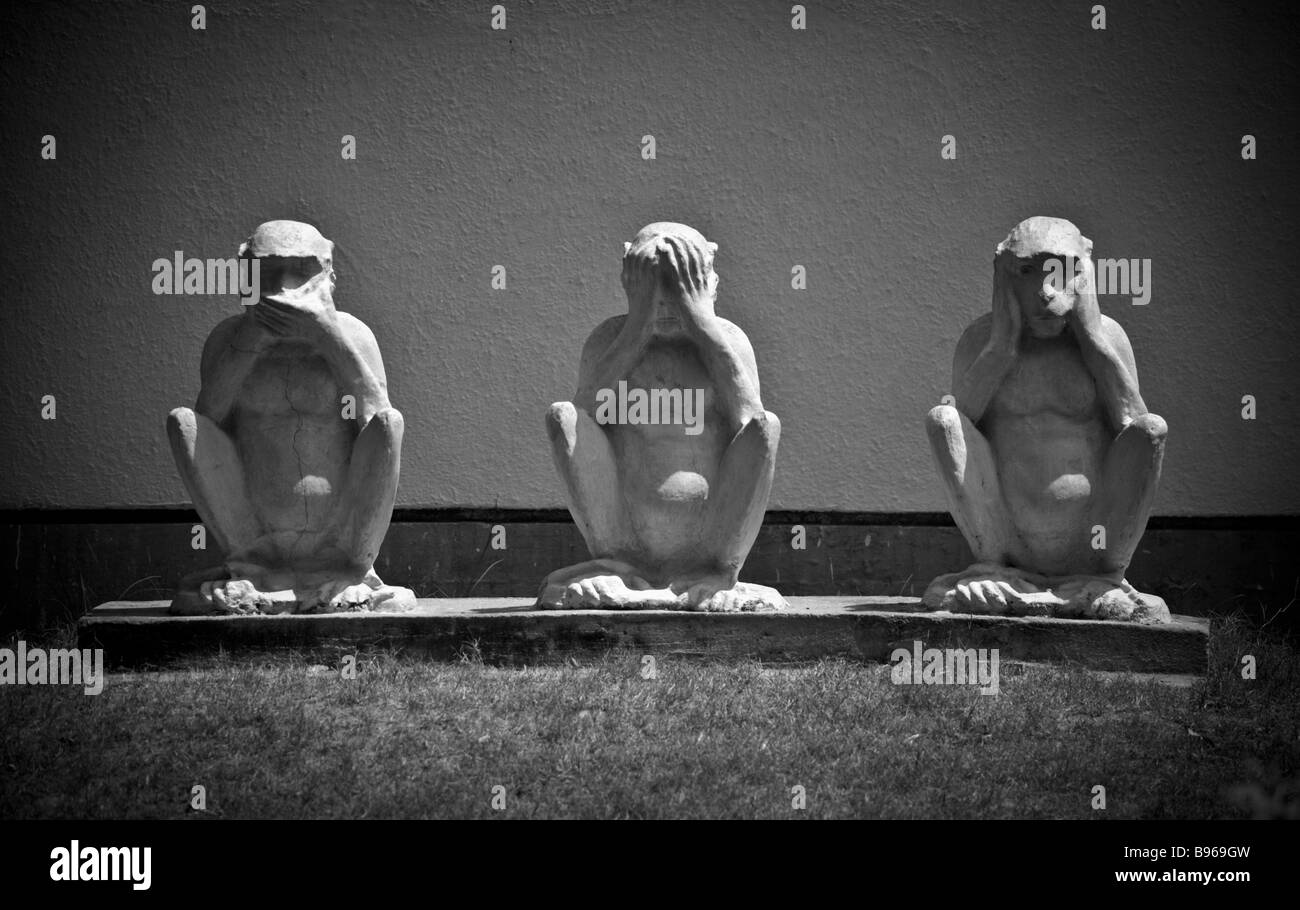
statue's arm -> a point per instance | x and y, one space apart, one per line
352 352
228 355
979 366
729 358
609 354
1109 357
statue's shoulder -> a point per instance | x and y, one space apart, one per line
975 336
731 328
980 328
735 334
362 341
1112 329
225 328
603 335
353 328
221 336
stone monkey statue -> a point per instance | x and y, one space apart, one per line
669 509
1050 459
291 454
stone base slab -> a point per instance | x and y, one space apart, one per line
511 632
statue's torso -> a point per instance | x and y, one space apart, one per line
667 475
1048 432
293 440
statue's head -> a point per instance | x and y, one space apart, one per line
650 247
1040 259
290 254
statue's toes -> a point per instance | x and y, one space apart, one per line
573 596
994 597
356 596
234 596
611 591
581 595
1009 594
729 601
697 596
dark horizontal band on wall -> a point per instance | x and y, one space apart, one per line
58 564
167 515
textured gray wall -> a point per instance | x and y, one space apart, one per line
478 147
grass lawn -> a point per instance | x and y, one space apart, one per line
279 737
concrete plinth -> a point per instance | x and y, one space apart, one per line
509 631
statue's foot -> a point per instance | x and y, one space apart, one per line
189 599
601 584
1004 590
342 596
605 584
1093 597
214 591
388 598
988 588
336 596
718 594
